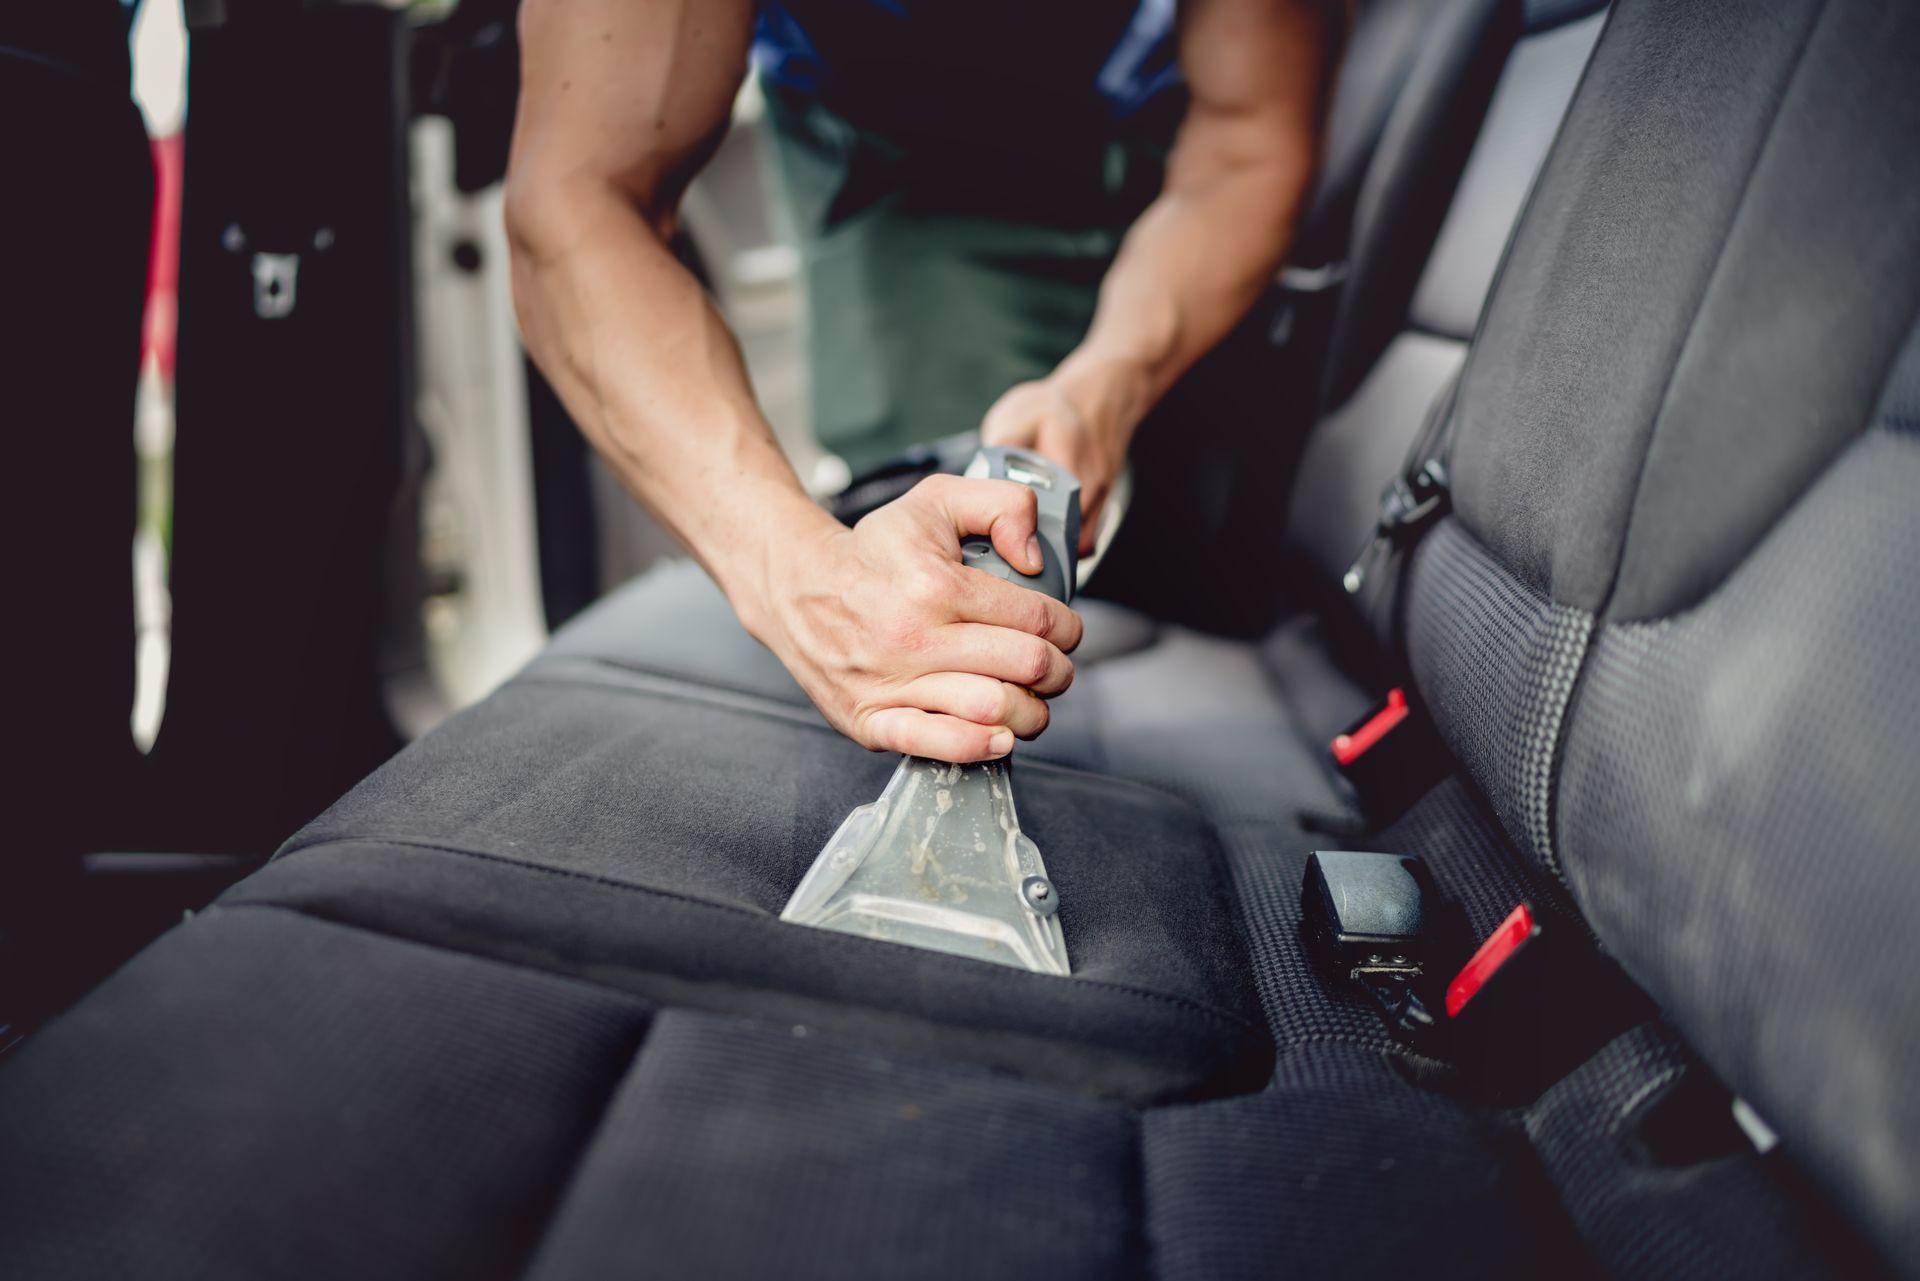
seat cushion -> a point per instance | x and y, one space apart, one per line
604 822
261 1095
1230 725
755 1153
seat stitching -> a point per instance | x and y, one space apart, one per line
761 919
617 1082
1576 692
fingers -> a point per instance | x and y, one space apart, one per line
980 699
1005 511
1092 505
944 738
1002 653
982 598
1013 420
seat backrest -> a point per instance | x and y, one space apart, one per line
1667 628
1382 50
1413 85
1451 173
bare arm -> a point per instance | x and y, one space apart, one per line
621 103
1200 254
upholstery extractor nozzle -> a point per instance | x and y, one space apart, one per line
939 860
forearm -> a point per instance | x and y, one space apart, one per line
1188 269
650 372
1238 174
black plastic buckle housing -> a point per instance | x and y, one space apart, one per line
1502 1018
1409 505
1376 919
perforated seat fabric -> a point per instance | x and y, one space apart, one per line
1666 633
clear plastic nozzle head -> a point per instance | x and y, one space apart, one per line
939 862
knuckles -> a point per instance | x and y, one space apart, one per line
1037 618
928 585
1034 662
989 707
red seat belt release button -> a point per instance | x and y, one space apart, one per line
1508 938
1362 738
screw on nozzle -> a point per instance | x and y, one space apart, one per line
1039 895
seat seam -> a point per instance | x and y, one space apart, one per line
576 1170
601 1114
1576 691
312 914
1180 1002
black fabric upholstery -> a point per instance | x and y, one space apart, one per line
1309 1009
265 1096
1401 205
839 1160
1657 377
673 622
1241 1188
1202 717
1363 441
1813 291
1645 1155
651 837
1496 663
1603 281
1528 103
1358 447
1736 825
1381 49
1317 682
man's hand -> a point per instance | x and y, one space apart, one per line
1081 417
903 648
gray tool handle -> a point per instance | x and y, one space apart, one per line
1059 494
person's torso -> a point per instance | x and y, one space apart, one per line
1012 74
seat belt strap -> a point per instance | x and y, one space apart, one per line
1415 499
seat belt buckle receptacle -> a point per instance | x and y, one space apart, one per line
1390 756
1373 919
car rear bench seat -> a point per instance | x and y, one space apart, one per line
517 1005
